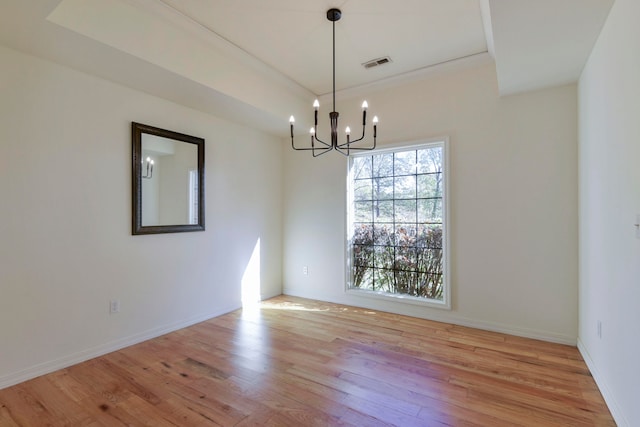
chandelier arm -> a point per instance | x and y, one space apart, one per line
293 145
315 137
346 152
348 143
342 150
324 150
298 148
364 127
312 147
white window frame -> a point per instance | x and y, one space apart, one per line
446 196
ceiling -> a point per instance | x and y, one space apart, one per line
260 60
295 37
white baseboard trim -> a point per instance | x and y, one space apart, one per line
270 295
515 331
436 316
608 396
100 350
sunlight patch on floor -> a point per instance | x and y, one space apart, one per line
311 306
270 305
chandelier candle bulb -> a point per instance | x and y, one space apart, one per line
365 105
316 104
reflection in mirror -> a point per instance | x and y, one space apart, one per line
169 167
168 177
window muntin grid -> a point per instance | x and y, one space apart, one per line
397 222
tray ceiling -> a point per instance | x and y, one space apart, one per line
261 60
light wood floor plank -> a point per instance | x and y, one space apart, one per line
297 362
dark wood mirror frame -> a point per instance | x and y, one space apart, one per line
137 130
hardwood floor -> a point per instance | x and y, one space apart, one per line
297 362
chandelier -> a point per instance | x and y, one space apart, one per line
319 147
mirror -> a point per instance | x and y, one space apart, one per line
168 181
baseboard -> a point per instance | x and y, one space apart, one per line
100 350
270 295
456 320
519 332
608 396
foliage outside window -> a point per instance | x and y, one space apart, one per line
397 210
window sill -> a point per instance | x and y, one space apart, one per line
404 299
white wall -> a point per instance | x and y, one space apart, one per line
513 203
609 128
66 247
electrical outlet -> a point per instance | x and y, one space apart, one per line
599 329
305 270
114 306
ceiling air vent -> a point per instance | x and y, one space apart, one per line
376 62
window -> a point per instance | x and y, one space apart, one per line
397 240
